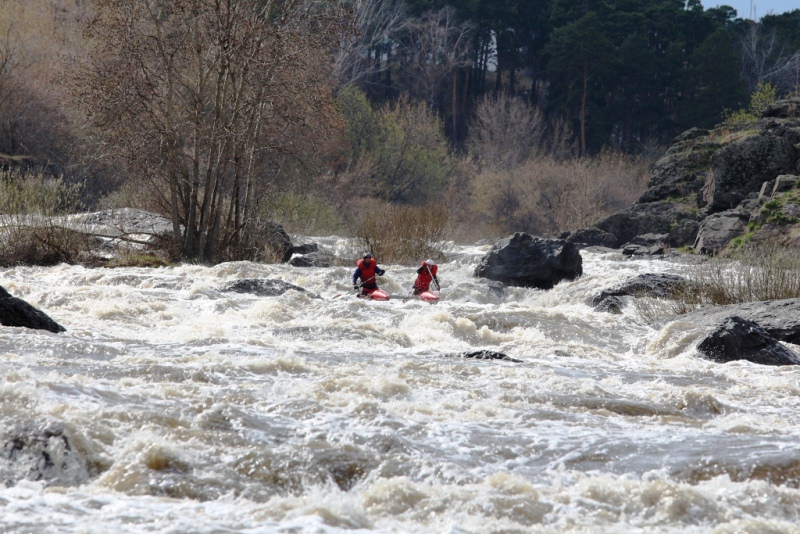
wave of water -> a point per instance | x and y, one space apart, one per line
170 405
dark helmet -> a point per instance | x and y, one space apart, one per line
367 256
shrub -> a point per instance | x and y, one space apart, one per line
30 207
404 234
399 153
764 95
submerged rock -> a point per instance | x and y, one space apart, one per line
44 453
740 339
265 288
486 355
526 261
656 285
17 312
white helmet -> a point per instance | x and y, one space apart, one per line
430 263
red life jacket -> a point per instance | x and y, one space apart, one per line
425 276
367 272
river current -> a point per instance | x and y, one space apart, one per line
172 406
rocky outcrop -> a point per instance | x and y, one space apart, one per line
526 261
741 339
264 287
713 186
17 312
740 168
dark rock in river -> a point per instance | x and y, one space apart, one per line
313 259
780 318
265 288
525 261
740 339
486 355
17 312
656 285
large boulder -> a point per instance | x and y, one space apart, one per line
740 339
780 318
786 108
591 237
717 230
17 312
526 261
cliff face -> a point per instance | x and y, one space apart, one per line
715 189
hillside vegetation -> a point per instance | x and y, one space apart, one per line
225 119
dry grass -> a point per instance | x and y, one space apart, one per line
28 232
547 196
767 272
755 274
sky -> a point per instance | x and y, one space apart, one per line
762 7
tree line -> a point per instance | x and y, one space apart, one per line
227 115
622 73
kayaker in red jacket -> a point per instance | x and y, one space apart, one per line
367 269
425 274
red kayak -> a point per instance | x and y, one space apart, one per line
375 294
380 294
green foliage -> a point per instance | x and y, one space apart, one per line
772 213
405 234
399 152
764 95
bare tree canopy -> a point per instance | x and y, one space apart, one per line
202 94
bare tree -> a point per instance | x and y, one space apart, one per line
505 132
437 45
763 59
201 95
366 53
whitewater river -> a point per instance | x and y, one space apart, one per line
172 406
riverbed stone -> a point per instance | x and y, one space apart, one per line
523 260
16 312
740 339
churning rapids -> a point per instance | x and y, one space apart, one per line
169 405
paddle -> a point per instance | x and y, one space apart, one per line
438 288
359 285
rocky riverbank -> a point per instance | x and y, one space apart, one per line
715 190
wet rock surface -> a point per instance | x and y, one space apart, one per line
525 261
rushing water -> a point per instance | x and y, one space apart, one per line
169 405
